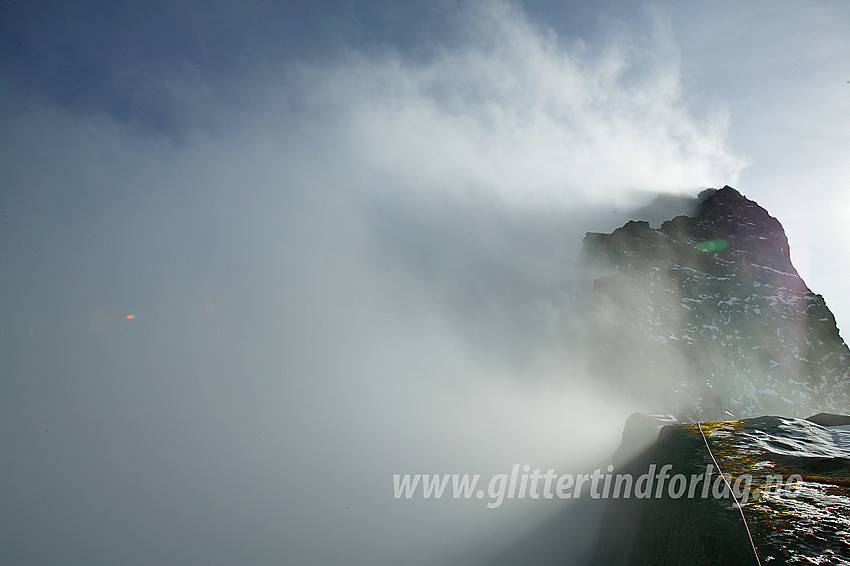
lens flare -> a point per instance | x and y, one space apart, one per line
715 245
129 317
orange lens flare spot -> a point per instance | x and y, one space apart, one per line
129 317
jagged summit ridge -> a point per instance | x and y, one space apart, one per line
707 317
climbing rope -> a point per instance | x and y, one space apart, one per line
738 503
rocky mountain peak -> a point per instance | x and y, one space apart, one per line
707 317
746 225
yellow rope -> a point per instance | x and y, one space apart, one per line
741 509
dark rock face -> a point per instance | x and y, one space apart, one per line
828 419
804 520
706 317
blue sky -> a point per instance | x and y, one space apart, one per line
346 231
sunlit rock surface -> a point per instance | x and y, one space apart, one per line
706 317
801 521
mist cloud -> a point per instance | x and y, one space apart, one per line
519 112
387 245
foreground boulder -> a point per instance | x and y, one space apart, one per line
791 477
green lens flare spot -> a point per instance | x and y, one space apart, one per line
715 245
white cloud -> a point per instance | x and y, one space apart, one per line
388 289
516 111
